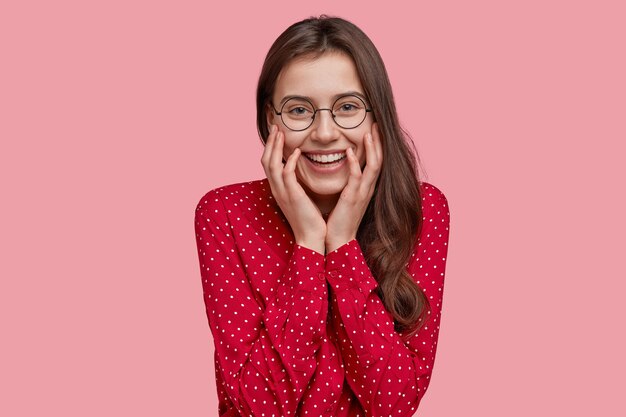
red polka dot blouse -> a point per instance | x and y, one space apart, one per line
298 333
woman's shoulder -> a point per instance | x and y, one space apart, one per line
234 194
430 190
433 199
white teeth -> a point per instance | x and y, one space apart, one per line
326 158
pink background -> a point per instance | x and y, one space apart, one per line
117 116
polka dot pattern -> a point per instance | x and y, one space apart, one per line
298 333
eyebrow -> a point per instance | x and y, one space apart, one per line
335 97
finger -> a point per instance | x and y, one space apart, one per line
372 166
276 158
289 176
267 150
353 162
275 165
378 144
355 171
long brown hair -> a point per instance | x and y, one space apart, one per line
392 222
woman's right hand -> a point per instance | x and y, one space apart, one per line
305 219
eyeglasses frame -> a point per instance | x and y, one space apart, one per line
316 110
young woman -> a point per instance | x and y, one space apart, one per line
323 283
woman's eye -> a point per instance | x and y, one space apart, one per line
347 108
298 111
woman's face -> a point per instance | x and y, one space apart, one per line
321 80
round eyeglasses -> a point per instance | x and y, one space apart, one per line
298 113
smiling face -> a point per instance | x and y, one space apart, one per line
322 169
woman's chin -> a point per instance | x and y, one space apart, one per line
324 189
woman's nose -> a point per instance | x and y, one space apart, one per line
324 126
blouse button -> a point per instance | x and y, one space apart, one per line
321 276
333 274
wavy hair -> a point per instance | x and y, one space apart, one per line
392 222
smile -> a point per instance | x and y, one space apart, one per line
325 159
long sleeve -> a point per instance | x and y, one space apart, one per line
264 348
387 374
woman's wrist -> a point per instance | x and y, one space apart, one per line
316 245
334 244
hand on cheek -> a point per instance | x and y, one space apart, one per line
346 217
302 214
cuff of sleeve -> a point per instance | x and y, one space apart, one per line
346 268
307 269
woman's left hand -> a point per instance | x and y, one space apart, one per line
343 222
